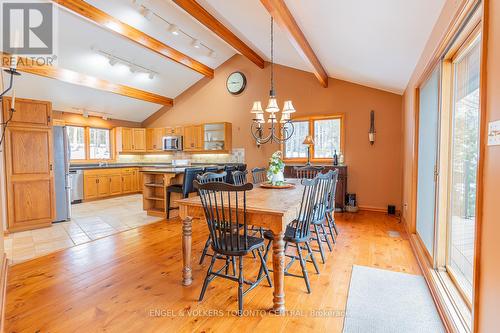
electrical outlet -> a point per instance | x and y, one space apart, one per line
494 133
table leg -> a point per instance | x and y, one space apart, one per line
279 273
186 250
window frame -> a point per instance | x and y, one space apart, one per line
84 143
311 120
87 144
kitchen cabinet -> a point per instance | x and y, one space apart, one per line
154 139
193 138
102 183
217 137
28 158
131 140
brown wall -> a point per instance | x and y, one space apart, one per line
374 171
489 274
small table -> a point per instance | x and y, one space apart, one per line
272 209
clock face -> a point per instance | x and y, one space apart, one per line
236 83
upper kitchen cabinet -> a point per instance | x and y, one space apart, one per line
217 137
28 112
131 140
193 138
154 139
177 130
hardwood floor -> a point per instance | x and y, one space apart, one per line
131 282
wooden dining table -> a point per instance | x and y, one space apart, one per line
272 209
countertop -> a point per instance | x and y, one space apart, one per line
142 165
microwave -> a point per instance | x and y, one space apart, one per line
172 143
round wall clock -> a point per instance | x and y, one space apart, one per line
236 83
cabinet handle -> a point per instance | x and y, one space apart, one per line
110 180
97 181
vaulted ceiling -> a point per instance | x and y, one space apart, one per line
374 43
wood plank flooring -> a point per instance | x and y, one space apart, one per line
131 282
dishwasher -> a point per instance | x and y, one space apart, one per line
76 177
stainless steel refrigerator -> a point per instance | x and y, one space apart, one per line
62 182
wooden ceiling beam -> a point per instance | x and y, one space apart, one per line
108 22
65 75
204 17
280 12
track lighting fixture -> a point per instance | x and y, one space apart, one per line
147 13
196 43
138 3
173 29
151 76
113 61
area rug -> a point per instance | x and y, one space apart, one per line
386 301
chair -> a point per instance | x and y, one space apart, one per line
259 175
241 167
319 217
213 169
298 232
308 171
330 209
229 170
209 177
186 187
240 177
225 211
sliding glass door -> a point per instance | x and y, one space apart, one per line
464 167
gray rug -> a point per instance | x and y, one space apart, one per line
389 302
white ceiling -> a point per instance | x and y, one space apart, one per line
374 43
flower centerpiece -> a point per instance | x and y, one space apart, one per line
276 168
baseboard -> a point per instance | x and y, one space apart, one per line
3 290
431 283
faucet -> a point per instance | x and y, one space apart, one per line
103 164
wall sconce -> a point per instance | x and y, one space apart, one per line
371 134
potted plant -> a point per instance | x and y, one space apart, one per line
276 168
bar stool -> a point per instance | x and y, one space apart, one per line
186 187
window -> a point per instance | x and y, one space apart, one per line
99 144
294 147
76 136
326 133
464 167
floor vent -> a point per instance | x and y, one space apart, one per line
394 234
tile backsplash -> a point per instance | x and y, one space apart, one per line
237 155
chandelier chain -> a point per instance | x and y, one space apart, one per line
272 56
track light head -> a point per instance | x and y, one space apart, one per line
138 3
152 75
196 43
147 13
173 29
113 61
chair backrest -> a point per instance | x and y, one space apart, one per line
241 167
213 169
333 191
259 175
240 177
229 170
306 212
308 171
225 211
212 177
190 175
325 181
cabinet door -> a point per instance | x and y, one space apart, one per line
90 187
128 182
103 188
115 184
198 137
189 141
150 139
28 112
158 135
29 177
169 131
179 130
139 139
127 139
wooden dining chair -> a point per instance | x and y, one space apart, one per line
308 171
319 219
298 232
210 177
259 175
330 209
240 177
226 216
229 169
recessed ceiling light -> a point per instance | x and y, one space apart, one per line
196 43
173 29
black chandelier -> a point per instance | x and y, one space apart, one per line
279 131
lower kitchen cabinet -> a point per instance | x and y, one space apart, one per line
102 183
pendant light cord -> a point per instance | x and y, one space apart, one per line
272 57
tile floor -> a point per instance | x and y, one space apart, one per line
90 221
